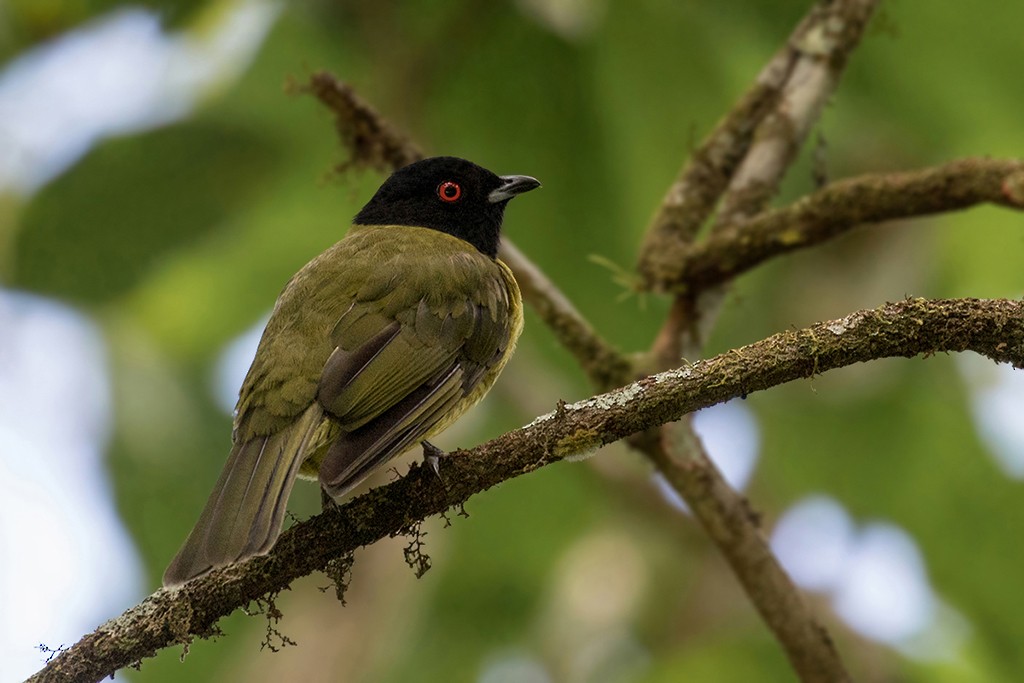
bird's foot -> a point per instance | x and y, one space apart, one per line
326 502
432 456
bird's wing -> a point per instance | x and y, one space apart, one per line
400 373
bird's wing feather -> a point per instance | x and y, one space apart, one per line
397 376
356 454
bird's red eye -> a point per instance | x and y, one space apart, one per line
449 191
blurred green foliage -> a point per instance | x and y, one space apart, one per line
179 239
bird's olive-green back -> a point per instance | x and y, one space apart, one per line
443 296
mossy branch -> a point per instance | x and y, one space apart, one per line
993 328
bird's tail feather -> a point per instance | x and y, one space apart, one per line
244 514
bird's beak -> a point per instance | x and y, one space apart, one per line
511 185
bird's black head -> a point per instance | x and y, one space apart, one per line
447 194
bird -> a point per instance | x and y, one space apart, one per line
374 346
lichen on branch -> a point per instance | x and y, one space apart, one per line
994 328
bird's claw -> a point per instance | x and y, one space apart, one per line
432 456
326 502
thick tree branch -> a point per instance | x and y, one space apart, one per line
994 328
842 206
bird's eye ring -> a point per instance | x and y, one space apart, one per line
449 191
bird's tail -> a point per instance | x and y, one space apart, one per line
243 516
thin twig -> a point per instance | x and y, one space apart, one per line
833 30
692 196
843 206
757 139
994 328
372 141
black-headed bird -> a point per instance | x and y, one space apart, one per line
374 346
